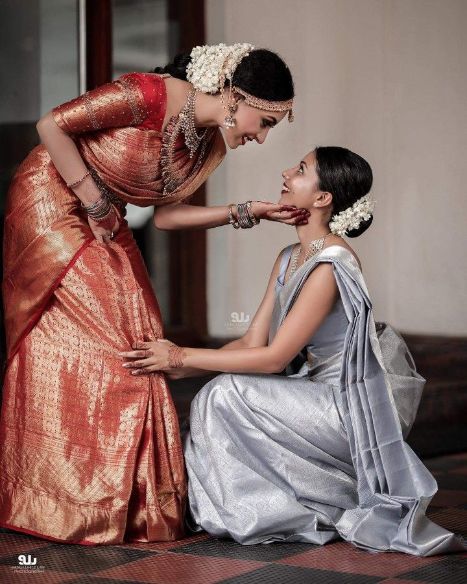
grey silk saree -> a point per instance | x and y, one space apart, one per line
319 452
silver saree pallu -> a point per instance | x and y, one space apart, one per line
318 453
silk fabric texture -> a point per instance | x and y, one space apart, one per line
318 453
90 454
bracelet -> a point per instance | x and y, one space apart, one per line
244 218
73 185
254 219
103 188
99 210
176 355
232 219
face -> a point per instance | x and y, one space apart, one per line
301 183
251 124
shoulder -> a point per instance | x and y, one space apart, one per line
281 257
149 90
141 78
335 241
285 253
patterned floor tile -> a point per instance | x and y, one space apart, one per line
179 569
160 546
79 559
12 575
449 498
231 549
451 569
15 543
280 574
344 557
451 518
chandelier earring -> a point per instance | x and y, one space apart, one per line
230 107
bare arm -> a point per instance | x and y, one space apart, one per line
313 304
66 158
183 372
256 335
184 216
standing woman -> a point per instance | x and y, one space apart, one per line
89 454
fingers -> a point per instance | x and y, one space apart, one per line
145 370
292 217
279 207
141 345
135 354
137 364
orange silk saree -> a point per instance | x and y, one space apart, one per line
88 453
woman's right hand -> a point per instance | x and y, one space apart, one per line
276 212
104 231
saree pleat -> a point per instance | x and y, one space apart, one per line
90 452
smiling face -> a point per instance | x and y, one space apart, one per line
301 183
251 124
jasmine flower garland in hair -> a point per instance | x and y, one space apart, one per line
211 64
351 217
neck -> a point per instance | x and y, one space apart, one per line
207 110
314 229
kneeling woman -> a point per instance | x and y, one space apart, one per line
302 438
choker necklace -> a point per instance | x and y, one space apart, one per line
187 124
314 247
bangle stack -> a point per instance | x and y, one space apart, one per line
246 217
99 210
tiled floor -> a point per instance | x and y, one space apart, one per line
203 560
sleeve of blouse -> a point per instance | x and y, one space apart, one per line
126 101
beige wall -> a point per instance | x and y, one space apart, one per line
388 79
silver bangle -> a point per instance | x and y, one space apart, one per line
244 218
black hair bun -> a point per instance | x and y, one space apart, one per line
177 68
361 228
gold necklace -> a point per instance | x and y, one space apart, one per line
314 247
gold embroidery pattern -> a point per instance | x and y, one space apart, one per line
90 111
134 101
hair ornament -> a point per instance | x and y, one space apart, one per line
351 217
211 65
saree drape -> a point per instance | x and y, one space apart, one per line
318 453
88 453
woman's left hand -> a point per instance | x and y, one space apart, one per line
148 357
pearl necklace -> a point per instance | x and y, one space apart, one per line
314 247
